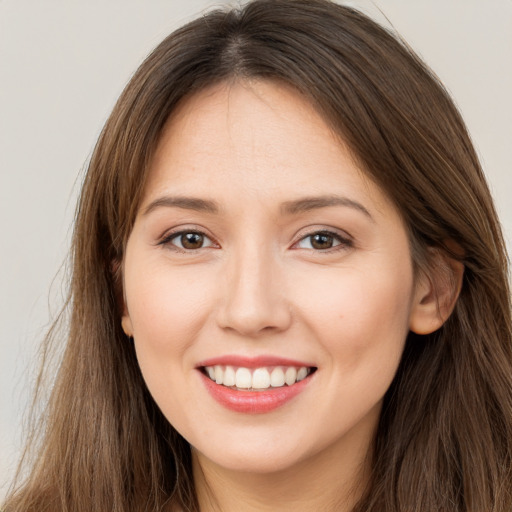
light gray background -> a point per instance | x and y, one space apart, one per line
62 66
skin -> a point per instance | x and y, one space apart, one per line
259 287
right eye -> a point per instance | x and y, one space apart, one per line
188 240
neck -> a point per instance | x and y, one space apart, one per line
332 480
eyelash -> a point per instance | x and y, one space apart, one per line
167 240
342 241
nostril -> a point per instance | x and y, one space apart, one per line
253 319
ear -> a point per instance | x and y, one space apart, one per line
117 274
437 290
126 324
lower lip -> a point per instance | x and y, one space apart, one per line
253 402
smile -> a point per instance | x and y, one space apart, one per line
255 385
255 379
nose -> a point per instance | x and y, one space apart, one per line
254 301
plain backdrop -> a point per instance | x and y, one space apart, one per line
62 66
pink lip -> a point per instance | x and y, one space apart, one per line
252 362
252 402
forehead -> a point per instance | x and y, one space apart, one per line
252 137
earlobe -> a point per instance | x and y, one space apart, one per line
117 274
436 293
126 324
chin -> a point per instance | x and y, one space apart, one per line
252 461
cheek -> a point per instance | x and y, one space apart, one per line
167 309
359 315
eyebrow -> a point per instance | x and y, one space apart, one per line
186 203
307 204
294 207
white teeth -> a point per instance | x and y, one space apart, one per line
229 376
302 374
261 379
219 375
257 378
277 378
290 376
243 378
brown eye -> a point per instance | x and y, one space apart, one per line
322 241
192 240
188 240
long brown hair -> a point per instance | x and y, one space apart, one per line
444 441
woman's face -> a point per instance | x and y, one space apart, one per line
268 283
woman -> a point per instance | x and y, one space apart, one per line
289 285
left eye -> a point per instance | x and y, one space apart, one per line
321 241
189 240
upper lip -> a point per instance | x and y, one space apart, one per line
252 362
